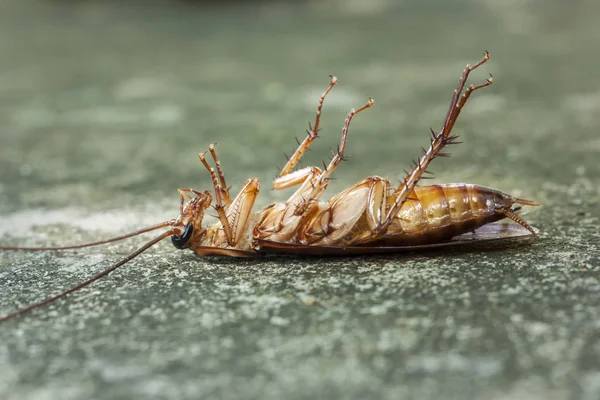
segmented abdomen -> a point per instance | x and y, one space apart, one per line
440 212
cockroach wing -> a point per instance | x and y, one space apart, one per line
490 235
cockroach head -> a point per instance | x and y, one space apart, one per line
189 222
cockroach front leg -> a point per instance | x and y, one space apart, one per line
238 215
223 186
235 214
232 229
438 142
214 240
219 207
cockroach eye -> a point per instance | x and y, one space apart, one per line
180 241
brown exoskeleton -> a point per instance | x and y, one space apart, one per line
368 217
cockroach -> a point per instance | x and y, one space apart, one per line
368 217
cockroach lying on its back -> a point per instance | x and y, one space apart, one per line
368 217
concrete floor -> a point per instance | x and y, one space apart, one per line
103 108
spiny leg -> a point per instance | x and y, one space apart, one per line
296 178
224 188
281 221
461 84
218 200
241 208
238 215
438 142
312 134
321 181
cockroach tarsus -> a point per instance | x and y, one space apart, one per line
368 217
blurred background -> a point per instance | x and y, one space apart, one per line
104 106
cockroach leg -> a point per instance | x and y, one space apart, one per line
322 180
305 176
237 217
464 98
312 134
224 188
295 178
219 201
461 85
438 142
282 221
288 178
241 208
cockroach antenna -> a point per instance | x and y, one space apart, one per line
95 277
91 244
181 230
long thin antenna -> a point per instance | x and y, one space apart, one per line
89 244
92 279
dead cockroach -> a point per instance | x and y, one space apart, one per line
368 217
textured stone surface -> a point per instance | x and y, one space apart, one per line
103 108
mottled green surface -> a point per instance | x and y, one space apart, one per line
103 108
